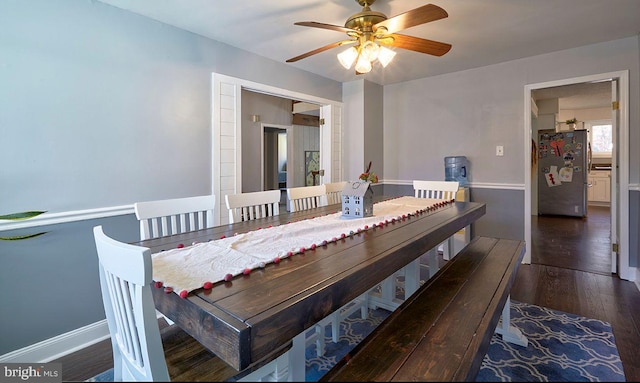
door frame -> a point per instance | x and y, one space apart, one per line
264 126
622 152
226 134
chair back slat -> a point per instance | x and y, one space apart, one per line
174 216
435 189
334 192
253 205
306 197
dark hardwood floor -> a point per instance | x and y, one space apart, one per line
570 272
573 242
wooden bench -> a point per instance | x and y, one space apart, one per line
442 332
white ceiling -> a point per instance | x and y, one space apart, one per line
577 96
482 32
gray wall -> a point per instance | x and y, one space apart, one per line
471 112
272 110
50 283
99 108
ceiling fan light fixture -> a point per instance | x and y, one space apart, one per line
363 65
348 57
372 32
385 56
370 50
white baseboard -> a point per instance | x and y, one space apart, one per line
59 346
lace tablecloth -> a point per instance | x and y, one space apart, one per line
189 268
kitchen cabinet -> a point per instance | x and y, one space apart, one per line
600 190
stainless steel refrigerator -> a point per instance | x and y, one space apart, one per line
563 165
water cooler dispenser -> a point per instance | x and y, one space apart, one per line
455 169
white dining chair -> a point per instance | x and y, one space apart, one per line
174 216
253 205
409 277
141 352
334 192
306 197
309 197
444 190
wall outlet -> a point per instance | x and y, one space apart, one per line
500 150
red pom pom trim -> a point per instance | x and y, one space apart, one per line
228 277
207 285
183 294
180 245
246 271
158 284
168 290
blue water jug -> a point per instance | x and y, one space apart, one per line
455 169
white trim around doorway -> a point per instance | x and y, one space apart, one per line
624 270
226 136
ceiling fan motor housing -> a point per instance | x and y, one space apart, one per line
365 20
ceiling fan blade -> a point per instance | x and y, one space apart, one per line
332 27
421 15
417 44
321 49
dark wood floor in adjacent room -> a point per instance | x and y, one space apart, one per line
570 272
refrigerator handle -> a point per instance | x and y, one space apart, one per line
589 157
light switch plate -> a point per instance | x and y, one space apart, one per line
500 150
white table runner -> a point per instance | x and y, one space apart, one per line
186 269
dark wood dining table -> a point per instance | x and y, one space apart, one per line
248 318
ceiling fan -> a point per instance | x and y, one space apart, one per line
371 32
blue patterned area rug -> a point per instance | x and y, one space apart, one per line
562 347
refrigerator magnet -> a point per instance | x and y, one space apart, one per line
553 179
566 174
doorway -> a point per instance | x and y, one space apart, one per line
274 158
227 121
619 175
571 225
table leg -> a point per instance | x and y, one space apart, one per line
432 257
296 360
411 278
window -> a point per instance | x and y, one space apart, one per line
601 137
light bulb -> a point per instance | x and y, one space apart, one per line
385 56
348 57
370 50
363 65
